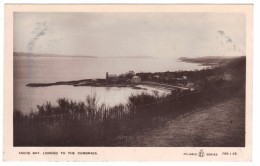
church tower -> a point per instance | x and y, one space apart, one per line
106 75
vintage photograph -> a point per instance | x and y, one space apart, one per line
129 79
94 78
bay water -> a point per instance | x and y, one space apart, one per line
52 69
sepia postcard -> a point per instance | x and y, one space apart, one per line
128 82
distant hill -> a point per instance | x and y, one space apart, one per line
86 56
208 60
23 54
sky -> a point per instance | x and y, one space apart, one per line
166 35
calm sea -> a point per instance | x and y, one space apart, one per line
52 69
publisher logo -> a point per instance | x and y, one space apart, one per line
201 153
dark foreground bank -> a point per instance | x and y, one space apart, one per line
214 125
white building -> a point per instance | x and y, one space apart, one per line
227 76
184 77
136 79
191 86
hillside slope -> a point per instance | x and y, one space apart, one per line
219 125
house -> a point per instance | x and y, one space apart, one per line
184 78
135 79
166 78
191 86
132 72
227 77
156 76
214 78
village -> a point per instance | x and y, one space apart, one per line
164 80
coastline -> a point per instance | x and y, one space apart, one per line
122 81
85 82
155 85
210 61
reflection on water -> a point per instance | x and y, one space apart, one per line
52 69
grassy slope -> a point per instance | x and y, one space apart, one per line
218 125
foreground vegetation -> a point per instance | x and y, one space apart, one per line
220 124
71 123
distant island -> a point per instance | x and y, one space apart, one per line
23 54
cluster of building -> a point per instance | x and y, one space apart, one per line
185 82
226 77
171 79
128 77
166 78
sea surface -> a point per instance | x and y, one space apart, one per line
51 69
